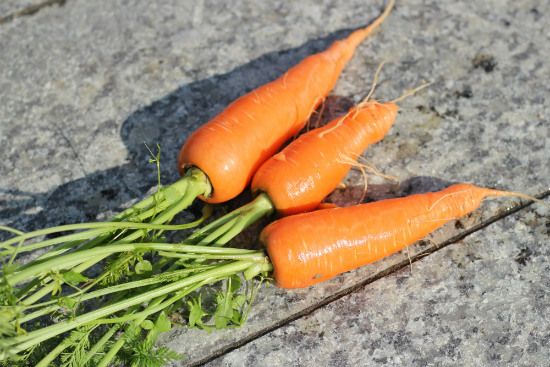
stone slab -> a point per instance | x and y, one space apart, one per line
84 85
481 302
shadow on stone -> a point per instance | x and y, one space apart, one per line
352 195
168 122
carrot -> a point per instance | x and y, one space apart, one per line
309 248
230 147
299 177
303 250
219 159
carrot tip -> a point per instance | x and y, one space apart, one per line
501 193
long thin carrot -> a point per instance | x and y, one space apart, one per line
230 147
309 248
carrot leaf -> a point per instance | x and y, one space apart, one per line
73 278
143 267
196 312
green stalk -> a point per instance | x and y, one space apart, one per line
222 230
101 343
193 184
70 227
11 230
150 309
52 306
197 190
23 342
218 233
154 305
54 241
111 226
256 256
54 353
111 354
78 257
48 288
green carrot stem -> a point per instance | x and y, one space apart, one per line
183 191
78 257
11 230
71 227
48 288
155 306
98 346
257 269
111 354
152 309
186 199
52 306
111 226
54 241
257 256
23 342
54 353
198 185
115 348
222 230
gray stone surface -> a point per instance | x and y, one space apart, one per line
481 302
10 6
11 9
84 85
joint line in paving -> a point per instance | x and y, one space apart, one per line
30 10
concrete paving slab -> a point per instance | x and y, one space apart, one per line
84 85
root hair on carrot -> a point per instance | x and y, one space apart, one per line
411 92
365 101
366 165
445 196
500 193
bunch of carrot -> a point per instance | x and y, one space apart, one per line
115 315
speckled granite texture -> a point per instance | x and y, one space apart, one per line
83 85
481 302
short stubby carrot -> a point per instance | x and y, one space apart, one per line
299 177
230 147
309 248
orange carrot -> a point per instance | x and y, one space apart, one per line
230 147
299 177
309 248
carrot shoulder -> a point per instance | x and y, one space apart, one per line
309 248
230 147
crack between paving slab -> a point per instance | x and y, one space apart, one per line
30 10
344 292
